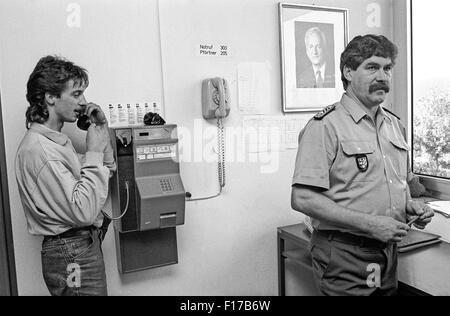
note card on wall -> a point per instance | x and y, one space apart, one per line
272 133
131 113
253 88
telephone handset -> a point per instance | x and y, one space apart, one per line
84 121
216 105
215 98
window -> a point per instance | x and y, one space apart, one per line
8 283
430 88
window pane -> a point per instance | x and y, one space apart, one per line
431 87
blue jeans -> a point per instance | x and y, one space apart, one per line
74 266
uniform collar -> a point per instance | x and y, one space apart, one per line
356 110
382 112
54 136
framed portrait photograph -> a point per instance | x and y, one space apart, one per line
312 39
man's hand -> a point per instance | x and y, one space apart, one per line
387 229
424 211
97 138
95 113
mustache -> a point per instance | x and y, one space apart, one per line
379 86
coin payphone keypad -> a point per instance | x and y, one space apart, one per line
166 185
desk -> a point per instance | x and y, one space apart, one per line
424 271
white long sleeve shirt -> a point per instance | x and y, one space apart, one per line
58 190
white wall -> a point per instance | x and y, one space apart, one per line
227 246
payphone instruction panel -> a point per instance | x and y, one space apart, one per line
150 152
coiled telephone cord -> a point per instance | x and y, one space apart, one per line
127 186
220 162
221 153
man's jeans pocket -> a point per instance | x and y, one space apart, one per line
78 246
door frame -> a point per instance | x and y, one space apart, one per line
8 279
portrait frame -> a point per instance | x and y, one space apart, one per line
302 63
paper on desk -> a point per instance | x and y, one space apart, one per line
441 206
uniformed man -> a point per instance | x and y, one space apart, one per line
350 178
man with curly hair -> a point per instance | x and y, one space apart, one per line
62 192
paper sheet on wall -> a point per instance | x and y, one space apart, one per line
122 114
253 88
272 133
293 126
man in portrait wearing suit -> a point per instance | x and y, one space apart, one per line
319 73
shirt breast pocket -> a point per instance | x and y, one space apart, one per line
400 156
359 161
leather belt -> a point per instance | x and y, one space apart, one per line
351 239
77 231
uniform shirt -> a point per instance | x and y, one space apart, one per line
58 191
328 155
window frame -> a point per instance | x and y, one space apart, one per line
8 279
438 186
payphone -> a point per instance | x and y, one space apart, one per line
148 195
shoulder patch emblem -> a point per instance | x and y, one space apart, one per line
392 113
325 112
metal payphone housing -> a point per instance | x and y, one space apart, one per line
148 183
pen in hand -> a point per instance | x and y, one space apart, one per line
413 220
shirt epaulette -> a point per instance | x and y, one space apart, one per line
327 110
390 112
